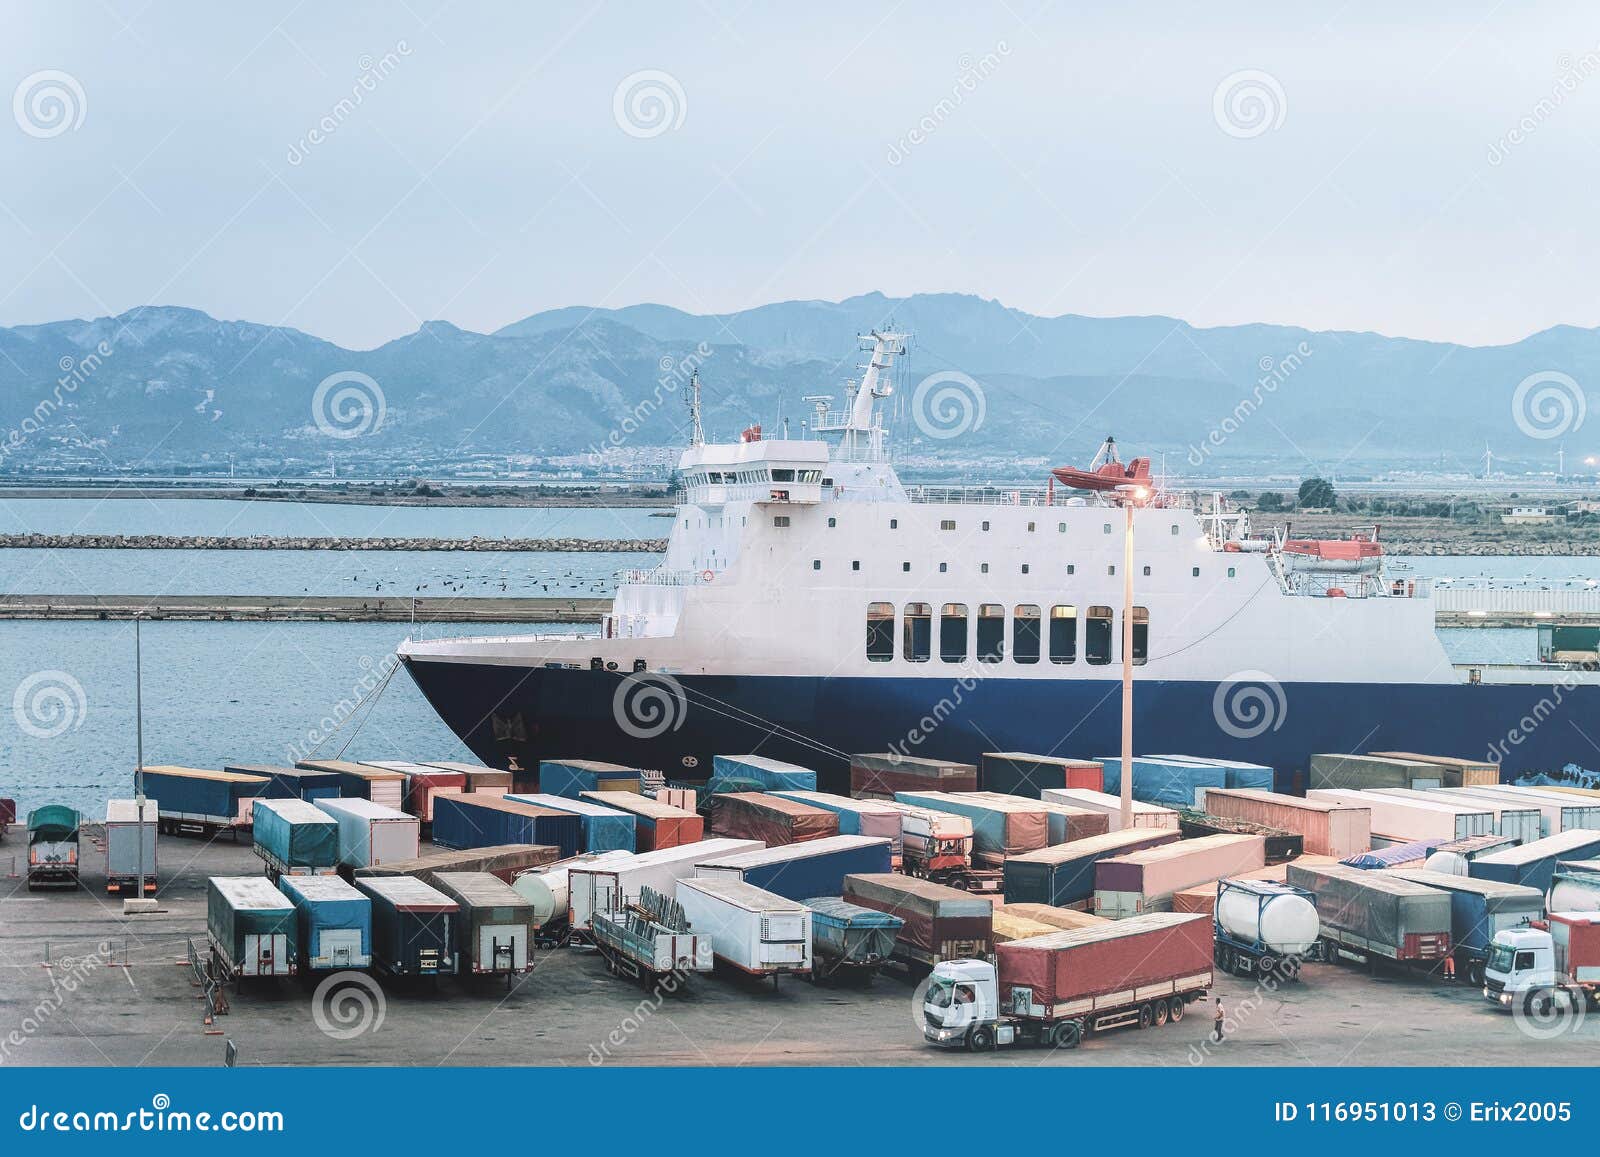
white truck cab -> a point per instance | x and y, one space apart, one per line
962 1006
1533 966
1521 965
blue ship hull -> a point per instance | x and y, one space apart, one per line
516 716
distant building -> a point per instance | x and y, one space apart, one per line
1528 516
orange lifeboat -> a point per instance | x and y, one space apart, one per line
1106 472
1354 555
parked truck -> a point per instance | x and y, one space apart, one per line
202 801
1054 990
413 926
494 931
848 940
251 926
131 845
333 921
52 847
294 838
1545 963
937 922
1264 928
937 846
752 930
649 939
1479 911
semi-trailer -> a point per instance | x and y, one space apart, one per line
1349 770
131 845
848 940
504 861
605 829
1479 910
1063 875
423 784
649 939
657 824
771 774
372 834
1203 897
772 819
1376 916
750 929
1280 846
294 838
573 777
1021 774
1560 812
857 817
53 847
8 814
937 922
1402 818
494 928
1008 926
1048 914
878 775
1516 820
251 927
1000 827
202 801
482 821
1264 928
363 781
1055 990
1534 865
796 871
606 886
1063 822
479 778
413 926
1132 883
1168 782
1574 887
1329 829
937 846
1549 961
333 923
548 888
1456 772
1145 815
290 782
1236 773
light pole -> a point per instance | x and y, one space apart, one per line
138 745
1131 496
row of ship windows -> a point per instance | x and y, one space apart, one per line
1034 634
750 477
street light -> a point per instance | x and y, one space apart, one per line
1130 496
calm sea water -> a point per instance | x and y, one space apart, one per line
245 692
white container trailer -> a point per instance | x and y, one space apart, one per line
606 887
547 888
131 845
372 834
1562 813
1145 815
751 929
1516 820
1409 819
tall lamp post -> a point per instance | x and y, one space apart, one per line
1130 496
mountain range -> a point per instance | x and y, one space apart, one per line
174 385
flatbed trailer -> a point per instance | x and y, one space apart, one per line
649 940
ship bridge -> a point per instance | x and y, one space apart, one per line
779 470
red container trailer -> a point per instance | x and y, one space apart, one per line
660 825
941 923
772 819
879 776
424 783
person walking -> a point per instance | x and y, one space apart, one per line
1216 1022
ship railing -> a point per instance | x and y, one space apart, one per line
667 577
981 495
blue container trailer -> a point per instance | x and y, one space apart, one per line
1163 781
413 926
334 922
197 799
1534 864
771 774
1478 909
251 926
1238 773
847 938
572 777
605 829
291 782
809 868
295 838
476 821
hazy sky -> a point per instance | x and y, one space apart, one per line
1088 164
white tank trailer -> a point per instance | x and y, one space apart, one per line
547 888
1265 928
1575 887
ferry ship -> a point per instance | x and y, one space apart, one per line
809 605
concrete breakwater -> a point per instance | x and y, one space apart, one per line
307 608
301 542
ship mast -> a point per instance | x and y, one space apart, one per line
861 427
697 430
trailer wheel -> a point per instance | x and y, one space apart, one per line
1176 1009
1162 1012
981 1040
1063 1035
1147 1015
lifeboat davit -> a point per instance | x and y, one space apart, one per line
1106 472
